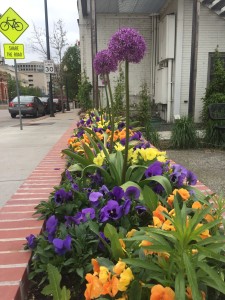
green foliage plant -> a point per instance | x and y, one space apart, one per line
215 93
119 93
84 91
184 135
54 289
144 106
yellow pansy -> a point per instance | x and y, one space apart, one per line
103 274
119 147
125 278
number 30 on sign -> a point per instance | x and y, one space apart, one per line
49 66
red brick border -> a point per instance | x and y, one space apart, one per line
17 220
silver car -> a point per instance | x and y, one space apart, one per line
30 105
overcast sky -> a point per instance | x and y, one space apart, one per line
32 11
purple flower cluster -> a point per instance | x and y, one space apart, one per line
127 45
180 174
105 62
62 196
62 246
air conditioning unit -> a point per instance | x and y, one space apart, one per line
167 37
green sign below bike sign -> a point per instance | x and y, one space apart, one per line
12 25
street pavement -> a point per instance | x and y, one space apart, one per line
22 150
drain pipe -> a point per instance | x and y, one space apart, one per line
169 90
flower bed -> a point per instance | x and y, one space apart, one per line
126 222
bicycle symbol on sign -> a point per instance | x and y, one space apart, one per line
18 26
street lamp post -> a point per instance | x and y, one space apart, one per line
65 69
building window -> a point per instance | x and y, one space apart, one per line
211 64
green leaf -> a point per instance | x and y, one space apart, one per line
75 168
131 169
150 199
135 262
135 291
111 233
161 180
180 286
215 280
54 278
192 278
76 157
93 143
65 294
89 154
94 167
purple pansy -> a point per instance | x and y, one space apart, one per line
154 169
62 196
178 175
62 246
94 198
127 45
112 210
132 193
126 207
140 209
31 241
104 190
117 193
88 213
105 62
191 178
51 227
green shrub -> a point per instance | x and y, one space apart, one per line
144 108
119 93
184 134
84 91
151 134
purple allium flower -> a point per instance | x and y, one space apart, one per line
31 241
191 178
112 210
178 175
62 246
51 227
132 193
105 62
94 198
62 196
117 193
127 44
126 207
154 169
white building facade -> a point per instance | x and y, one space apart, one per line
167 28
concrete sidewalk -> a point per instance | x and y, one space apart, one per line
22 150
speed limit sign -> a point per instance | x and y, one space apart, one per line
49 66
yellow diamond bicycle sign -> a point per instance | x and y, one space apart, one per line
12 25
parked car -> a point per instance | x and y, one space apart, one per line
46 102
30 105
58 103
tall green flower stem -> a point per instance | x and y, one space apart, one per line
127 120
107 102
112 113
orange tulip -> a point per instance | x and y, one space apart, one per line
95 264
158 292
184 194
93 288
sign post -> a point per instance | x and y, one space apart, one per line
12 26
